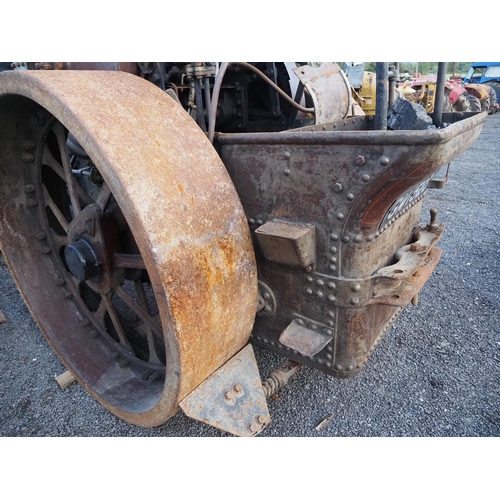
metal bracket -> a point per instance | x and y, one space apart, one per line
306 336
439 183
232 398
329 89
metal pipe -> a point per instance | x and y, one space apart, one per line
217 86
437 116
392 85
200 115
215 100
275 87
382 96
208 100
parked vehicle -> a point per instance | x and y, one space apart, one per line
487 73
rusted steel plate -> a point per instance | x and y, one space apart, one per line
180 205
231 399
362 190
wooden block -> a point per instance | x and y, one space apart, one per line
3 319
65 379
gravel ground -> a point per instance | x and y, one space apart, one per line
436 373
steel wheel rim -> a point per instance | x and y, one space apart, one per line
156 391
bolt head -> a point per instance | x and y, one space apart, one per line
261 419
337 187
360 160
123 363
254 427
238 388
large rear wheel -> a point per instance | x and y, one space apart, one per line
474 102
125 236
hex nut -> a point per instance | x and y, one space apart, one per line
360 160
254 427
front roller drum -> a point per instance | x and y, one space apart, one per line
133 255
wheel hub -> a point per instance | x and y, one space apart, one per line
82 260
93 241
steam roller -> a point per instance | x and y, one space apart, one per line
161 219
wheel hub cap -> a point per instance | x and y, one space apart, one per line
82 260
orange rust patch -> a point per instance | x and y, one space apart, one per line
330 72
181 189
209 290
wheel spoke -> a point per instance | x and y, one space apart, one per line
51 162
61 240
49 202
101 311
110 308
104 196
128 260
139 310
143 301
68 171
